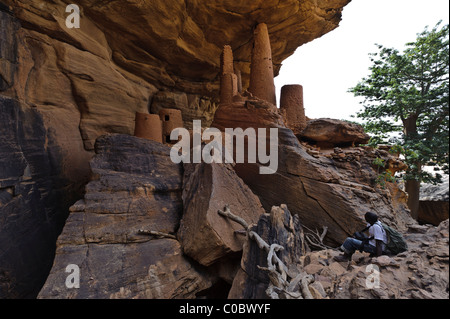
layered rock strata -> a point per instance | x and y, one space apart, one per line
136 188
434 202
37 186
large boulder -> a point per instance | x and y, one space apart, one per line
205 235
332 132
434 202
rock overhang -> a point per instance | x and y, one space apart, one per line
176 43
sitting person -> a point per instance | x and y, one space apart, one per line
374 244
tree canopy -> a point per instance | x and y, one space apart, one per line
408 92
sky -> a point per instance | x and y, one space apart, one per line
328 66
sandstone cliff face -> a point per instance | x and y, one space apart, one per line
102 234
135 50
135 190
64 91
136 184
62 88
33 200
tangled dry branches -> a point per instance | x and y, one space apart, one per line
283 284
315 239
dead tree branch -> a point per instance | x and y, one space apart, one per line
227 213
280 286
304 283
315 239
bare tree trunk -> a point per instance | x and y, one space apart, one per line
412 187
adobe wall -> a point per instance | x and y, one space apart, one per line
170 119
148 126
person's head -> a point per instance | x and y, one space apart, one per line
371 218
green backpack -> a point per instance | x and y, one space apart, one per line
396 244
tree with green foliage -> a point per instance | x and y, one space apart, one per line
408 92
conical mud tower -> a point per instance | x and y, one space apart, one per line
261 73
228 80
291 106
